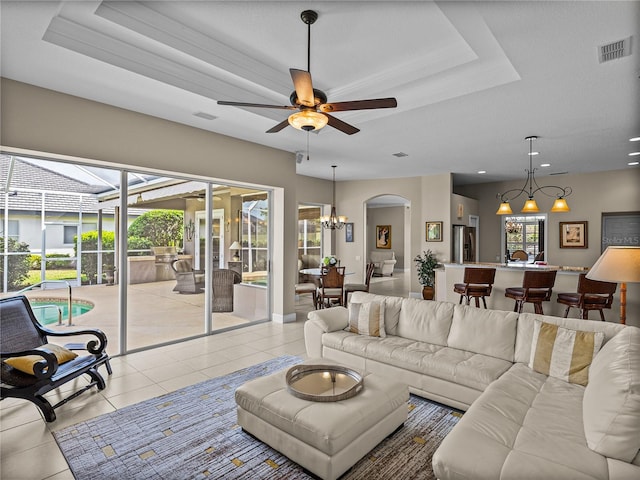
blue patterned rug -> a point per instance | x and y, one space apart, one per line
192 434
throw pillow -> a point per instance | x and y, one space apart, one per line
367 319
563 353
611 402
25 364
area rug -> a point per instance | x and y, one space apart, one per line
192 434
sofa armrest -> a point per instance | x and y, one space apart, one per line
320 322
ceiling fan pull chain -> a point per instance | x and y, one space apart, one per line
307 146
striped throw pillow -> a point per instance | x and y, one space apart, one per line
367 319
563 353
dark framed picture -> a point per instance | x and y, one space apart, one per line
434 231
573 235
348 232
383 236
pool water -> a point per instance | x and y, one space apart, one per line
49 315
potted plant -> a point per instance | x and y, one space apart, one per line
426 264
109 272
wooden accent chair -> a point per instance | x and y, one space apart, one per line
591 295
223 282
331 290
23 336
519 255
359 287
477 283
187 279
536 288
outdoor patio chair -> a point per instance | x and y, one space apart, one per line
24 347
187 279
223 282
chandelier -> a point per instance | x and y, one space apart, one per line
333 221
530 206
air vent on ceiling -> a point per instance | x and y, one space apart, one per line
206 116
614 50
400 154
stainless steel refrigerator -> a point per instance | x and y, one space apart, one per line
464 244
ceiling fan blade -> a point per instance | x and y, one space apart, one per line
359 105
303 86
342 126
257 105
279 126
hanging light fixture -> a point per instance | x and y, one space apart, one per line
333 221
308 120
530 206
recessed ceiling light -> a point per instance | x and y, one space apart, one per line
533 154
545 164
634 139
633 154
631 164
482 171
400 154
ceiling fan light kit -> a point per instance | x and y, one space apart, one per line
311 102
560 204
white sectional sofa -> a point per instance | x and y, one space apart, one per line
519 424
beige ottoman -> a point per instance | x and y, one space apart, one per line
326 438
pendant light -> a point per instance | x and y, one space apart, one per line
530 206
333 221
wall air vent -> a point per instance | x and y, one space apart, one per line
614 50
206 116
400 154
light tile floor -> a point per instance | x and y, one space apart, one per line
27 447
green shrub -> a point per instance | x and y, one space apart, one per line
162 227
18 266
90 260
138 243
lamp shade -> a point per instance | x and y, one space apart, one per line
617 264
235 246
560 206
308 120
530 206
504 209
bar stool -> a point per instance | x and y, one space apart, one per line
478 283
536 288
591 295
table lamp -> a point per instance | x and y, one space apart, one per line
235 246
619 265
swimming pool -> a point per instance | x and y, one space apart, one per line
49 315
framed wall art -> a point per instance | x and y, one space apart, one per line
383 236
620 228
573 235
348 232
434 231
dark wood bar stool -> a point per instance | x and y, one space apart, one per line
536 288
591 295
478 283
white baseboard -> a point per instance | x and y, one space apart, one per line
287 318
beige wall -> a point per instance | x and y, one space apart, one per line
40 120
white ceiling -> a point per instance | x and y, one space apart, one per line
472 79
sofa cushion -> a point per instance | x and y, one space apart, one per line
524 335
367 319
392 307
612 398
425 321
26 363
563 353
525 425
489 332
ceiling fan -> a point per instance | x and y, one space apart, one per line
311 103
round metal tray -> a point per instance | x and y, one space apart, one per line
324 383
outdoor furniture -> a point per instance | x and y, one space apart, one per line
23 336
331 290
478 283
187 279
591 295
223 282
536 288
359 287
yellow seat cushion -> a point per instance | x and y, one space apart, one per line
25 364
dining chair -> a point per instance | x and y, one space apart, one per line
308 287
591 295
359 287
519 255
536 288
331 290
477 283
